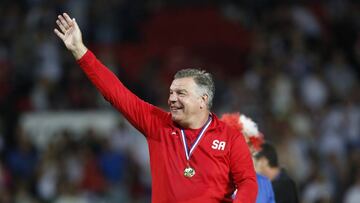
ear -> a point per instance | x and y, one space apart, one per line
204 101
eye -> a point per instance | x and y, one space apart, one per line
182 93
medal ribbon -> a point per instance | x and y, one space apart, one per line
197 141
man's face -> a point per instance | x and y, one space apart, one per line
185 102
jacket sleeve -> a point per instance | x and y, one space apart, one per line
139 113
242 171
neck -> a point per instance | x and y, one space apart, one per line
198 121
272 173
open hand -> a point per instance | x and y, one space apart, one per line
70 34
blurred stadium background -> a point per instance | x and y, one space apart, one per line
291 65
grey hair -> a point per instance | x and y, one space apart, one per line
203 79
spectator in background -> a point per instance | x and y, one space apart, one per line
266 163
254 139
5 180
23 159
68 193
352 195
318 190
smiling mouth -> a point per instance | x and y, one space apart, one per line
172 108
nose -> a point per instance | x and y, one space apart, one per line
172 98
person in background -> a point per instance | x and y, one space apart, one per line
266 163
254 139
211 166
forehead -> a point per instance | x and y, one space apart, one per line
187 83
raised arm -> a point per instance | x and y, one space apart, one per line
142 115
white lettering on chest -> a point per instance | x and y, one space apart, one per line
219 145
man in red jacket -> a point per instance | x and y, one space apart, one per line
194 157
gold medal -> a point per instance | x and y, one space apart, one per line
189 172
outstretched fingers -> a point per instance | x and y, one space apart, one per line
68 31
63 22
61 26
59 34
68 19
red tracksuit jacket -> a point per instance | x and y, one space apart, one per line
221 160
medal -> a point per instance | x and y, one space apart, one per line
189 171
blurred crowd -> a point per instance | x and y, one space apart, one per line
297 77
